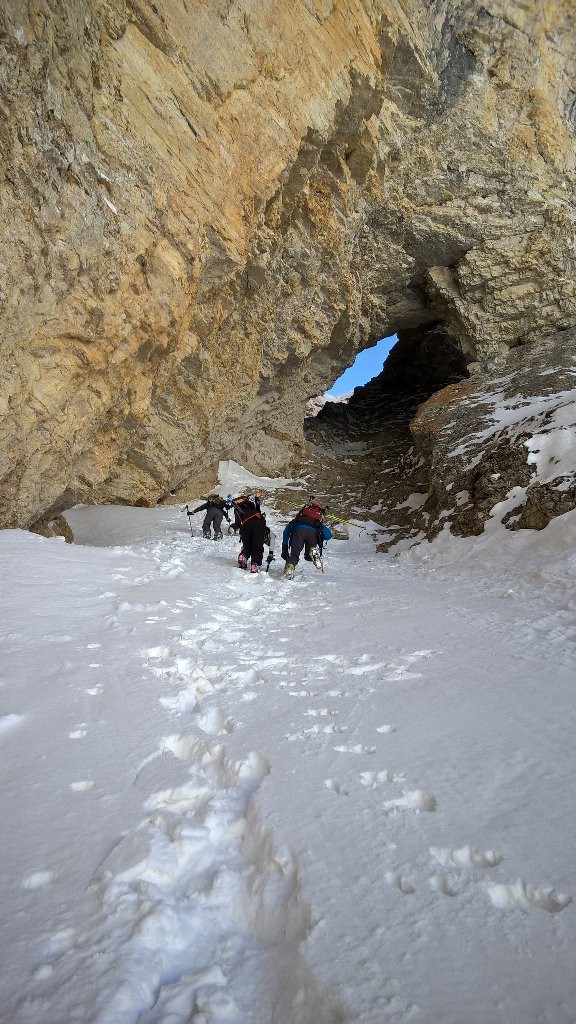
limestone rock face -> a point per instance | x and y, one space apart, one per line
503 444
209 206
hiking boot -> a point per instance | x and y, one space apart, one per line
206 534
289 569
219 535
242 563
316 557
254 567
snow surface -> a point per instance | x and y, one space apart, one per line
233 798
315 405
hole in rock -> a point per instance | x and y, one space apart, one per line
360 457
367 365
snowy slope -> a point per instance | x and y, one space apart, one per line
230 798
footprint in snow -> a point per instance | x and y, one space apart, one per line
251 604
183 703
412 800
400 673
214 722
438 883
77 734
361 670
9 722
466 857
335 787
156 652
248 677
316 730
60 942
522 896
355 748
43 972
397 880
374 779
38 880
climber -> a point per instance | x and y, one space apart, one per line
216 510
252 524
308 532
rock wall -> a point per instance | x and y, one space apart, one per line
209 206
502 445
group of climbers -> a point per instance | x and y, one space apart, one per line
306 532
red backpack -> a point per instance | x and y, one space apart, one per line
313 514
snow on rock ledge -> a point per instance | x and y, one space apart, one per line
503 446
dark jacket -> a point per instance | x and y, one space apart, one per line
220 505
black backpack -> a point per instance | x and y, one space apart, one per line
244 507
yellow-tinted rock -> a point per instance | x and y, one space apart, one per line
208 208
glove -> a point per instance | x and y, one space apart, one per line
284 553
270 558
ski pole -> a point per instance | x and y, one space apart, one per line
189 514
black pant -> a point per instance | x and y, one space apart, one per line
214 517
301 537
252 536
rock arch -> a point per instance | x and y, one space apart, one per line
200 238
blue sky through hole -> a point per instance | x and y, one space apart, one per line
367 365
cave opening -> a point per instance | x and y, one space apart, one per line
368 364
359 449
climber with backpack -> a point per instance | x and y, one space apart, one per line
216 510
252 524
306 532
